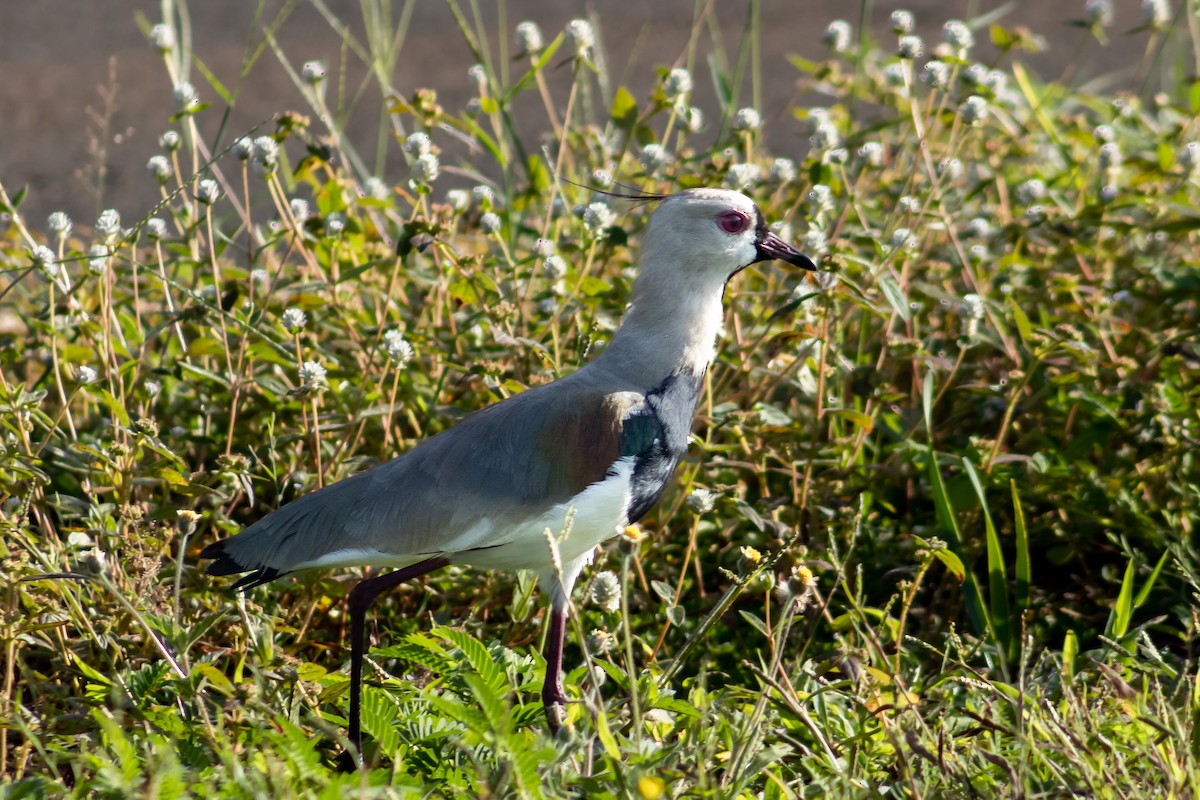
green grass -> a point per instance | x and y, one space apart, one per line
935 536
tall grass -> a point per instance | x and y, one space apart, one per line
935 534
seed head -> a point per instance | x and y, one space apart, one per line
956 34
909 204
654 157
936 74
45 260
544 247
86 375
903 239
160 168
741 176
902 22
98 256
837 36
678 83
169 141
783 170
529 38
335 223
979 228
1109 157
418 144
163 37
59 224
294 320
156 228
600 642
911 46
974 110
694 118
376 189
701 500
185 96
299 209
458 199
398 350
426 168
484 195
1031 191
971 307
108 226
243 148
597 217
605 592
871 154
266 152
490 222
312 375
1098 12
579 31
207 191
1156 13
1189 156
820 198
816 242
747 119
554 267
951 169
313 72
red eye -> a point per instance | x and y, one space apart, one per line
733 221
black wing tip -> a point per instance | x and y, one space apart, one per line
225 564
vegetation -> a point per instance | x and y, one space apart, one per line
935 536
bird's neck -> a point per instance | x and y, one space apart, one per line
664 333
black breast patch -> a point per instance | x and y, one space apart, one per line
656 436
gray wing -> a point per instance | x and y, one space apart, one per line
504 466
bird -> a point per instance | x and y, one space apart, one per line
538 480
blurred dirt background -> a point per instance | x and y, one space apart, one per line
85 96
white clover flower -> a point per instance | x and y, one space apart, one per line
207 191
747 119
98 256
1098 12
894 76
313 72
871 154
312 375
701 500
815 242
266 152
169 141
1156 13
335 223
936 74
654 157
783 170
694 118
903 239
597 217
600 642
45 260
605 592
458 199
956 34
909 204
426 168
156 228
602 178
902 22
299 208
544 247
1031 191
490 222
184 95
160 168
910 46
554 267
976 75
677 83
484 195
741 176
243 148
579 31
837 36
820 198
974 110
163 37
293 319
59 224
951 169
1109 157
376 189
825 133
108 226
529 38
398 350
979 228
1189 156
418 144
86 375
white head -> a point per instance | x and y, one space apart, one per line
706 236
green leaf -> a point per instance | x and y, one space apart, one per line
1023 575
624 109
858 418
476 655
1122 613
997 576
891 290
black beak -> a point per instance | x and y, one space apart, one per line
771 246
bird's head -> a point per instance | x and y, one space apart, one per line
712 234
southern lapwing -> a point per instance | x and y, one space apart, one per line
573 461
